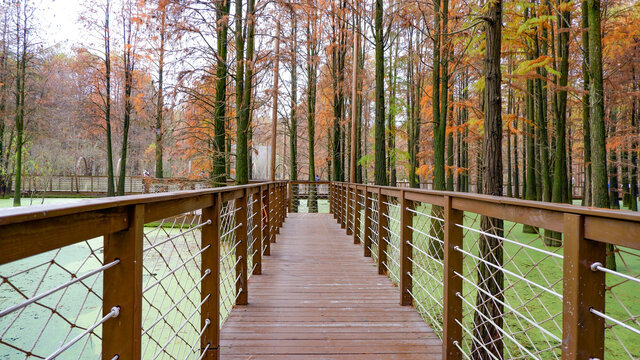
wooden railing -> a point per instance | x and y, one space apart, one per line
143 276
504 278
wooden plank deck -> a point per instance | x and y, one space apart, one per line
319 298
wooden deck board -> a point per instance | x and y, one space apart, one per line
318 298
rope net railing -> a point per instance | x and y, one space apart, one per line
169 270
512 289
309 197
49 299
524 285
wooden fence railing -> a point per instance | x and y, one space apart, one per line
501 278
143 276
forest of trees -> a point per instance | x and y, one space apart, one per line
531 99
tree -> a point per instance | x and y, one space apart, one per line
487 340
130 23
312 85
242 153
379 147
23 17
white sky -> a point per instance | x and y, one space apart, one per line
58 22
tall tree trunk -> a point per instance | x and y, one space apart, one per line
380 152
274 108
129 64
111 187
162 7
312 74
633 173
21 68
391 154
509 111
516 173
220 111
531 155
242 151
614 196
488 320
293 121
596 116
586 128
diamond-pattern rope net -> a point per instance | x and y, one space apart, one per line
37 330
524 310
427 263
171 278
622 308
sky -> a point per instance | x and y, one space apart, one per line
58 22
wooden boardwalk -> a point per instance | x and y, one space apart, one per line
319 298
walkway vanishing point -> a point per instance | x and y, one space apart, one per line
317 298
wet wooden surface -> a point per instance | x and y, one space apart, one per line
319 298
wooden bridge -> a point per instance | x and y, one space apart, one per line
388 273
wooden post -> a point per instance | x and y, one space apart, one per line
383 222
289 192
356 217
122 286
241 250
286 200
211 284
367 223
453 236
583 289
406 250
257 232
349 211
268 220
343 206
276 211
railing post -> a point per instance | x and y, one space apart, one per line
289 192
332 200
257 232
343 205
583 289
406 250
122 287
241 250
367 223
210 313
275 202
383 223
269 219
285 198
356 217
349 210
453 237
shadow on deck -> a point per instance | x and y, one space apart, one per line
318 298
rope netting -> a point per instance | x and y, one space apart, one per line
373 229
172 275
53 301
622 309
427 265
512 289
51 304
